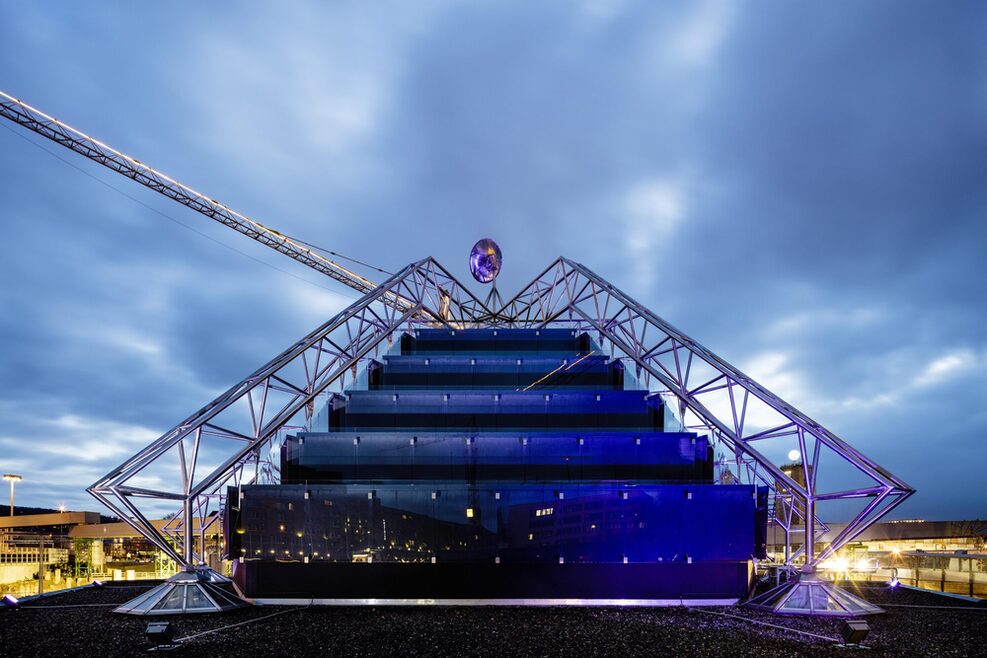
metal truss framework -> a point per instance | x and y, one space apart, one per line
740 414
229 441
713 396
35 120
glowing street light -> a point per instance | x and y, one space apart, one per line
12 478
794 455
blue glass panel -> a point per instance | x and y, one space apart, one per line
496 371
553 456
370 410
603 522
487 341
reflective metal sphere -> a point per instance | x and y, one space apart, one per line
485 260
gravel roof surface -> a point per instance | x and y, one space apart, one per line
45 628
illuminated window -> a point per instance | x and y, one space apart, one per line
469 512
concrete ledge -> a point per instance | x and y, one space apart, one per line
961 597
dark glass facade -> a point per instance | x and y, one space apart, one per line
471 458
512 454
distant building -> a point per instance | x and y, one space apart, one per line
914 535
949 556
74 547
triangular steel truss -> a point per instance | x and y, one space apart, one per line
230 441
742 416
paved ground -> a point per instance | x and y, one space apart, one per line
46 628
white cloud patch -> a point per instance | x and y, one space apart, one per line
92 440
336 71
903 379
317 305
771 370
870 403
652 209
825 318
698 38
774 370
946 367
600 12
887 387
60 456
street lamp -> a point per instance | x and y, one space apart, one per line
12 478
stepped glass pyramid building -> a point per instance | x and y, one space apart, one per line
568 445
496 464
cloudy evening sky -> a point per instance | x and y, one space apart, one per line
799 186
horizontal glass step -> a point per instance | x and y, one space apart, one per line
531 401
519 341
495 371
401 523
350 457
506 410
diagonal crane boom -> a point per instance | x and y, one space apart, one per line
37 121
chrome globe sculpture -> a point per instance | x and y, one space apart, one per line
485 260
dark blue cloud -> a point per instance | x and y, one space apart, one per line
797 187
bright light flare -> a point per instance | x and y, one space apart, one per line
837 564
